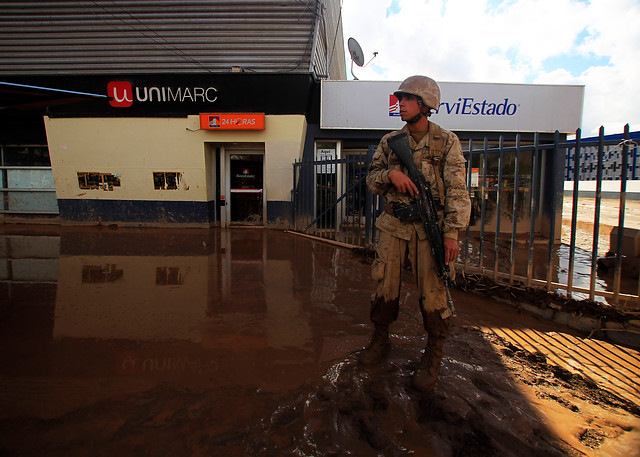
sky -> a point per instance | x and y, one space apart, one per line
592 43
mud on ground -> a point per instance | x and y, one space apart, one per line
477 409
481 407
253 353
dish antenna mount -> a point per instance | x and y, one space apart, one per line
357 56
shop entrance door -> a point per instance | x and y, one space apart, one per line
246 190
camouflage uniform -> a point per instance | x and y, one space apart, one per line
396 237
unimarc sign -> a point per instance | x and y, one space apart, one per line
123 94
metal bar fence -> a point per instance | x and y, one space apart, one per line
331 200
596 216
535 188
574 213
552 223
500 190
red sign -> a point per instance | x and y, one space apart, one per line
232 121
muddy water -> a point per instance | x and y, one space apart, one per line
560 269
608 218
244 342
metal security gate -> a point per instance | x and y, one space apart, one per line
331 200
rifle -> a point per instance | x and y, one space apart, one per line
399 144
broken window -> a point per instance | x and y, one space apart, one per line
169 276
166 180
101 273
90 180
110 180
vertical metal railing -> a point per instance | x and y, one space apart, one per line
596 215
574 212
535 189
499 184
469 182
552 219
514 211
483 195
623 204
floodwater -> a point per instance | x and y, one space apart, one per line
608 219
243 342
501 265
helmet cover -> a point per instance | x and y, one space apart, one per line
421 86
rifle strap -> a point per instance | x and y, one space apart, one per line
436 146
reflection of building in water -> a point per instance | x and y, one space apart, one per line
208 294
324 279
100 273
129 297
246 287
29 259
192 307
28 282
256 279
121 311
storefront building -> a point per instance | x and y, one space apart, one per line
161 112
190 150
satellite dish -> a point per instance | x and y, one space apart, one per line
355 50
357 56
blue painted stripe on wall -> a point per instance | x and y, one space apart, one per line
148 211
137 211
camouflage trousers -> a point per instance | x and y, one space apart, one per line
387 269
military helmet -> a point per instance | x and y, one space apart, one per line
423 87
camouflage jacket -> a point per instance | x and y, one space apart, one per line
454 213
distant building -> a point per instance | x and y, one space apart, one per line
611 160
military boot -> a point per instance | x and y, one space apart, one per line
377 347
426 375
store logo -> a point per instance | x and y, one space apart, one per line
214 122
394 106
121 93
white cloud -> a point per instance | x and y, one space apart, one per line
594 43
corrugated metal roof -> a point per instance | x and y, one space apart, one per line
167 36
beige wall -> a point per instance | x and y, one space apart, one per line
134 148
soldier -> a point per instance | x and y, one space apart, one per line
438 155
